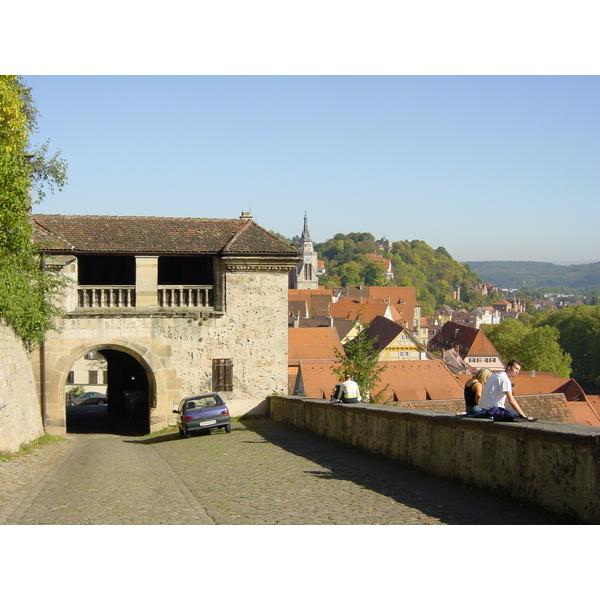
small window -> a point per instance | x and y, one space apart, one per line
93 377
71 377
222 375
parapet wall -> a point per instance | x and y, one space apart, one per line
554 466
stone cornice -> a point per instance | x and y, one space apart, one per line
252 264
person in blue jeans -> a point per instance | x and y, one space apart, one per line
498 390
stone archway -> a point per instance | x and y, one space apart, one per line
131 395
135 383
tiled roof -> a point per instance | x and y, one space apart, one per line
472 342
364 313
312 343
384 330
318 378
419 380
94 233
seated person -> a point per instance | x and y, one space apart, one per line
498 390
473 389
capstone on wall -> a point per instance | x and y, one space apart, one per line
20 413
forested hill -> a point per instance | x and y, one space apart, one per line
516 274
434 273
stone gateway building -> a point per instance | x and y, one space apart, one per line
176 307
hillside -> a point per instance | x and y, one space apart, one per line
516 274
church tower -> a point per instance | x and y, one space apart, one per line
304 276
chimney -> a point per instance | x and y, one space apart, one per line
533 373
246 214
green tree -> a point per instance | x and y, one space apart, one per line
374 274
26 290
579 328
536 347
361 360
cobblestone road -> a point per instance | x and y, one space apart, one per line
261 473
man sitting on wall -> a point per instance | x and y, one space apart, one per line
498 389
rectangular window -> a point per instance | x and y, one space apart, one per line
71 377
93 376
222 375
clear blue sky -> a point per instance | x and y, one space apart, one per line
490 167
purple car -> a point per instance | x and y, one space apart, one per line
202 413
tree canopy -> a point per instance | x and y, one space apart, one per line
537 348
26 290
579 335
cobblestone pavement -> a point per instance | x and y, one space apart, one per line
261 473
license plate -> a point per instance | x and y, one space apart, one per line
203 423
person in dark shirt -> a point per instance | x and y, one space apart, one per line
473 389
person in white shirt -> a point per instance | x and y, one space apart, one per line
349 392
498 390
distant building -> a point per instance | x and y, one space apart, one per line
305 276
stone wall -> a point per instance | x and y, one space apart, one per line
20 414
545 407
176 348
554 466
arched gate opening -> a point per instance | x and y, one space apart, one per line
130 398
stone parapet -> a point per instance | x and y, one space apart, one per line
553 466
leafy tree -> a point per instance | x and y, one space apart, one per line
26 290
374 274
579 328
536 347
361 360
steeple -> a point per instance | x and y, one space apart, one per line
305 234
305 275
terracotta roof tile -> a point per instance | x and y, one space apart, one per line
419 380
124 234
312 343
318 378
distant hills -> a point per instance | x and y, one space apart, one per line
516 274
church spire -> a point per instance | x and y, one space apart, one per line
305 234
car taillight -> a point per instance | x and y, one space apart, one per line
187 418
225 412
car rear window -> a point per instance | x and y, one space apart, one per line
194 403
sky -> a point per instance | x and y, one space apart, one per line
489 167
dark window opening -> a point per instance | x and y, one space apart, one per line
222 375
106 270
185 270
93 377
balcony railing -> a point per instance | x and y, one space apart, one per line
185 296
169 296
96 296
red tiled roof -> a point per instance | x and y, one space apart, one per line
125 234
472 342
419 380
318 378
313 343
364 313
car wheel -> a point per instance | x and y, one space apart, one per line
227 428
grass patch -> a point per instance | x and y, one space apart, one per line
26 449
169 429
